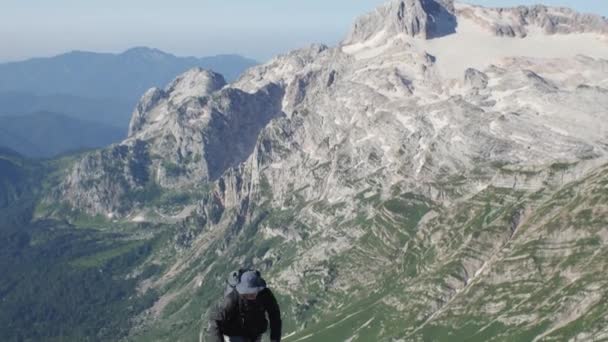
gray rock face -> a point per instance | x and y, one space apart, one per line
146 103
475 79
415 18
196 82
561 20
519 21
103 182
184 136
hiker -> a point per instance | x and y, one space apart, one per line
241 315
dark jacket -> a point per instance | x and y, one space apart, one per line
235 316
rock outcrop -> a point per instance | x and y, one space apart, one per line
520 21
416 18
184 136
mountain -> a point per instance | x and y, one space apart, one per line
98 87
45 135
94 75
440 175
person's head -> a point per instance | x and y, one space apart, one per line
251 283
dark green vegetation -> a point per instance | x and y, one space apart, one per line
45 134
16 178
61 282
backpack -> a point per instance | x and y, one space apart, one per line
234 278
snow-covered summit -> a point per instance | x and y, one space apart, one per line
460 36
428 19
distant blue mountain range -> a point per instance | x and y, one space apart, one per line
91 88
66 82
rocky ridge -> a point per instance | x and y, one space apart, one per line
521 21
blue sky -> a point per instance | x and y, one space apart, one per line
255 28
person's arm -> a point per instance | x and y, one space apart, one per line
216 319
274 315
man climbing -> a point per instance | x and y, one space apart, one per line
241 315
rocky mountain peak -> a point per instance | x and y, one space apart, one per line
416 18
196 82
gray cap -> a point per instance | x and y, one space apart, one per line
250 283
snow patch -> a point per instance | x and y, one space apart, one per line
475 47
139 218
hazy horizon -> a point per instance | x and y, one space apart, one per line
191 27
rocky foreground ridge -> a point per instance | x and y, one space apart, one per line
390 187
